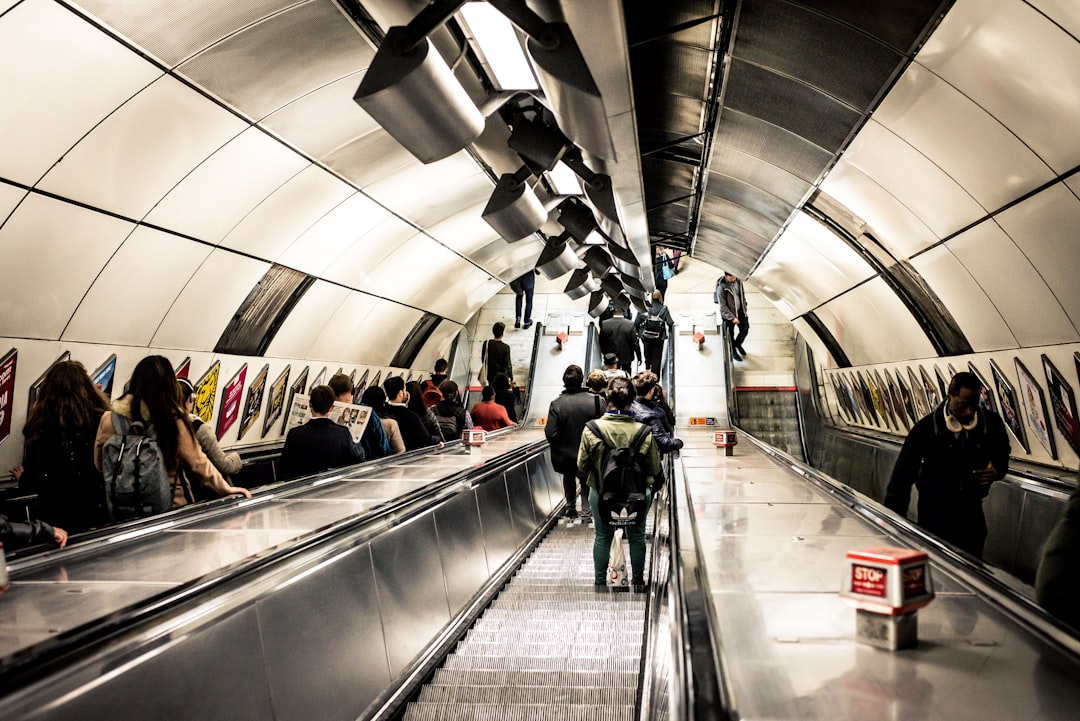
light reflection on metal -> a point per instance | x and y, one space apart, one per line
514 211
557 259
581 284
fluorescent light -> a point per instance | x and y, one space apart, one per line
499 46
564 180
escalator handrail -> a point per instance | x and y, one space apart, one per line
70 646
527 400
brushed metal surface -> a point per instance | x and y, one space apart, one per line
326 655
461 548
494 507
522 511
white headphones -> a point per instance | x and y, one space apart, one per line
956 426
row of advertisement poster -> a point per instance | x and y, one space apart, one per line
235 406
896 399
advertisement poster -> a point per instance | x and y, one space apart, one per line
930 389
897 404
360 386
1010 406
7 391
230 402
918 394
868 405
103 376
66 355
320 380
841 399
853 404
986 398
1033 402
276 404
184 369
254 401
205 392
1062 403
943 385
298 387
906 397
352 416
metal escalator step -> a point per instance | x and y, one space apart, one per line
526 635
545 650
627 614
502 712
547 679
601 664
560 695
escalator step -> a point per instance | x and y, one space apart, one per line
561 695
527 712
507 663
549 650
548 679
543 635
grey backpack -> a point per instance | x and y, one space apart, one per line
136 479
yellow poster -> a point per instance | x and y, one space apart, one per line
205 390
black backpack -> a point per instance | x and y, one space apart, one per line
653 328
622 479
136 480
448 425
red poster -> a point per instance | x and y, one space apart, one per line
7 392
230 402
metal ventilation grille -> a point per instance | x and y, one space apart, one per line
415 340
266 307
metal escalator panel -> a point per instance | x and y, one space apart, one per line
548 647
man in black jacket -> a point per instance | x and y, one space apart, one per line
567 417
413 433
320 444
617 335
645 410
952 455
497 355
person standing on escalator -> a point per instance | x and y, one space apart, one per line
731 298
652 327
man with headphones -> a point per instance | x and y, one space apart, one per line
952 456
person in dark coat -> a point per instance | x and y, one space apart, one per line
643 325
320 444
523 288
413 432
497 355
952 455
19 534
617 335
1057 582
567 416
731 297
645 410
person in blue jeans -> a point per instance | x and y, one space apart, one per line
619 426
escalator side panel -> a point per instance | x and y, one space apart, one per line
461 547
494 506
522 509
546 485
412 595
324 642
216 673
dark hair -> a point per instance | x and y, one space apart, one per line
322 399
441 365
501 382
187 391
964 379
340 384
597 382
66 400
449 390
153 387
498 329
620 393
644 382
374 397
416 398
572 377
393 385
487 394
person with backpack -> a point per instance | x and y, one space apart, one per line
567 416
646 409
731 298
450 415
619 460
652 327
375 398
144 442
226 463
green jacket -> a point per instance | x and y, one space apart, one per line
620 430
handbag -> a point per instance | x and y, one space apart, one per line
482 376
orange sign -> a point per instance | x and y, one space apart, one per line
541 421
701 421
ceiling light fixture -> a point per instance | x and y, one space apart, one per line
498 46
514 211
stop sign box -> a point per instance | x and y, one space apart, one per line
887 580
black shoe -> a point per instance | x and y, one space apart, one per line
517 323
569 513
735 356
743 351
528 324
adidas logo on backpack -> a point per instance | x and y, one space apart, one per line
622 479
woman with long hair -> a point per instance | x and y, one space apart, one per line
153 398
375 397
58 457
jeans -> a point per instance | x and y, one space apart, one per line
572 487
602 541
527 294
737 338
